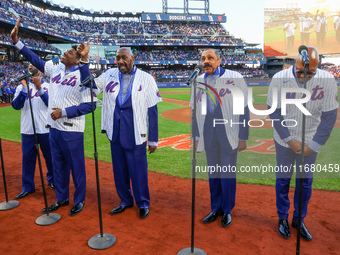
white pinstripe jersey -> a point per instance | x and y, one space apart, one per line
232 130
64 91
40 111
144 94
324 98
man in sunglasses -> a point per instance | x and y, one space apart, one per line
322 106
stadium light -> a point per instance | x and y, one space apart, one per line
111 12
82 9
45 1
61 6
134 12
91 11
101 11
51 3
72 7
122 12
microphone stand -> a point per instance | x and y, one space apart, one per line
8 204
48 218
302 166
192 249
101 241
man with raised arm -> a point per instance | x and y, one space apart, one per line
68 103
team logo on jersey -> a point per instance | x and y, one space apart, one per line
36 94
158 93
140 88
290 95
110 87
68 82
208 92
318 93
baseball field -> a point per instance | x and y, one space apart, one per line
275 37
167 230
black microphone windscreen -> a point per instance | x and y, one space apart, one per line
97 73
301 48
34 71
200 67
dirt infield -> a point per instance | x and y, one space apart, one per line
167 229
331 47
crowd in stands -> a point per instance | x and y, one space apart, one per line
163 75
118 31
171 55
333 69
12 70
29 41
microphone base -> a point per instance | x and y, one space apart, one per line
9 205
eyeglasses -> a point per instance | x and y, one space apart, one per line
309 73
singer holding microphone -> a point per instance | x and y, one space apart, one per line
322 106
68 103
220 142
39 98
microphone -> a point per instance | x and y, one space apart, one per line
33 72
2 74
303 50
198 69
96 74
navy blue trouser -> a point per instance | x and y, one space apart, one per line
68 155
285 157
222 184
29 159
131 164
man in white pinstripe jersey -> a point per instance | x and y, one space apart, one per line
221 142
322 106
68 102
130 98
39 98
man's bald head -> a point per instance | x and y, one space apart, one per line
313 64
313 58
127 50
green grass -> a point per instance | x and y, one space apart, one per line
178 162
185 97
258 99
173 89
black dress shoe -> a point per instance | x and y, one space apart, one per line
52 185
24 194
144 212
284 229
120 209
56 206
226 220
304 232
77 208
211 217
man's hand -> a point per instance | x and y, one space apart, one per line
296 146
56 114
23 82
84 50
15 30
242 145
36 81
308 151
152 149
